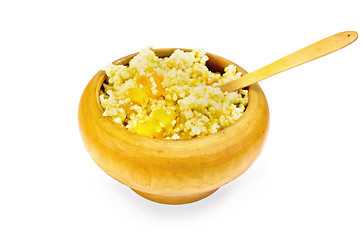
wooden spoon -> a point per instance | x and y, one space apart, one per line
314 51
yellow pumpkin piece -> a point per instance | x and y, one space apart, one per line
148 128
137 95
163 116
159 121
148 83
145 82
158 80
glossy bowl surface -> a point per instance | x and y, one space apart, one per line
173 171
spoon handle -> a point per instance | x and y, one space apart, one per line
309 53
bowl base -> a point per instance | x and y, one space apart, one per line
174 199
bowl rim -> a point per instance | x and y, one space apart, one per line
124 60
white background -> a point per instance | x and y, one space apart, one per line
306 184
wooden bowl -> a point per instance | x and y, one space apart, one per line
173 171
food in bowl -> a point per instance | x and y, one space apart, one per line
176 97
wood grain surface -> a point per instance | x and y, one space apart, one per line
173 171
309 53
